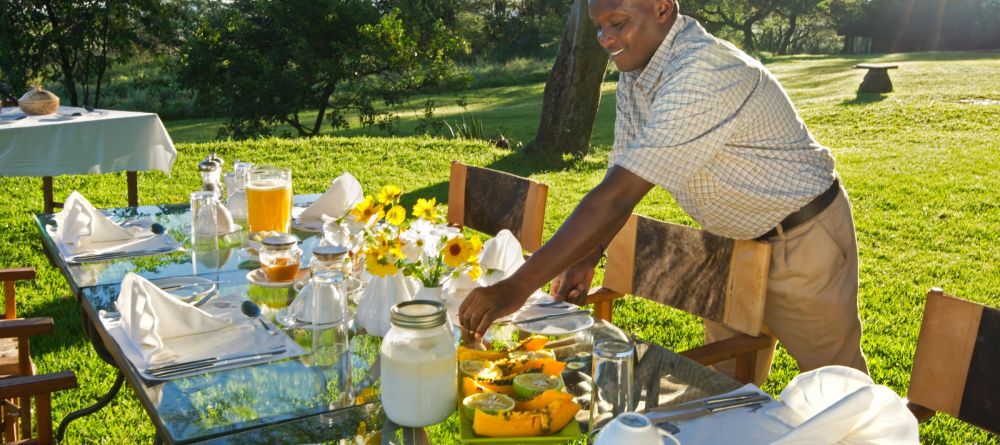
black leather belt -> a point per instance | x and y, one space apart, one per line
818 204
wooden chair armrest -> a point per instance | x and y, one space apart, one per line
23 273
37 384
600 295
728 348
26 327
921 412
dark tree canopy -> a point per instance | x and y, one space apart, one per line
262 63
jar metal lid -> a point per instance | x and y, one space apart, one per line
283 240
329 253
419 314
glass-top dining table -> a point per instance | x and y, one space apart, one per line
301 399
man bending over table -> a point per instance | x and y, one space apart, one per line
713 127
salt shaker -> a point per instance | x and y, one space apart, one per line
211 174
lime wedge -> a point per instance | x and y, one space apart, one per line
487 402
528 385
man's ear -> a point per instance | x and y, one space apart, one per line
664 9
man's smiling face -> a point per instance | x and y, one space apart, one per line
631 30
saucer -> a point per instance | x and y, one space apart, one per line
258 277
312 226
553 327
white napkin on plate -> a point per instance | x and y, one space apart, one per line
844 406
342 195
81 224
150 316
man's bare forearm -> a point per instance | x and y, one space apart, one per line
594 222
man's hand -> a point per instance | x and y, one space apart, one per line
573 284
485 304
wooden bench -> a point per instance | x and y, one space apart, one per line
877 80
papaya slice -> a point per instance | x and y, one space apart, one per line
548 420
471 386
543 400
466 353
533 343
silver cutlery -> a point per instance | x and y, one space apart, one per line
120 254
553 304
185 286
211 362
551 316
699 408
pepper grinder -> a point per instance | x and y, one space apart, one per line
211 174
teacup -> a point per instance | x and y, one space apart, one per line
632 429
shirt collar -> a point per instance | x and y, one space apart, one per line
651 73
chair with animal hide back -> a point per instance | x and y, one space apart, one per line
713 277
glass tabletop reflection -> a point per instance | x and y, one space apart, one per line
232 255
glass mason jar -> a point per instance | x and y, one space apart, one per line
280 257
418 365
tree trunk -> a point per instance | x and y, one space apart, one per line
573 89
787 38
748 36
64 56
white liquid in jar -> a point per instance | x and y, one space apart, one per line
419 390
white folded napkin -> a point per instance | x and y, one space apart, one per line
150 316
750 425
842 405
342 195
380 294
81 224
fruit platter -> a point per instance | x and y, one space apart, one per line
515 396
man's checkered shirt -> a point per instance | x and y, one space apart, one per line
712 126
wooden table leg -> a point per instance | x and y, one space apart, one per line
47 194
133 188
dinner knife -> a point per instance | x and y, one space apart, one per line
194 365
696 412
552 316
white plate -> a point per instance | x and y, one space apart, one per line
258 277
312 226
193 287
556 326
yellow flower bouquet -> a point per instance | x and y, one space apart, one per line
424 248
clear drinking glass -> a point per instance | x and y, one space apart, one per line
330 325
204 232
236 184
612 393
269 199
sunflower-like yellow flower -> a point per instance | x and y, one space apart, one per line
426 209
380 265
475 272
456 251
386 246
389 194
396 215
476 244
366 209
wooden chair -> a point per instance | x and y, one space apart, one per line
716 278
956 362
490 201
18 384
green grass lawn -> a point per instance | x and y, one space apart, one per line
920 167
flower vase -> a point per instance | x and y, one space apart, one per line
433 293
380 295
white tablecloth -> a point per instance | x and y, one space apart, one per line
101 141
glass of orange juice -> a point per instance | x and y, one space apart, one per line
269 199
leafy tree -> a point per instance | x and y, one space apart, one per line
740 15
263 63
78 40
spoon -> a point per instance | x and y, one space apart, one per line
253 311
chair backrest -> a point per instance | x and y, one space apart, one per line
714 277
490 201
957 360
8 277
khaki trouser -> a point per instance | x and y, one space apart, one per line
812 295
